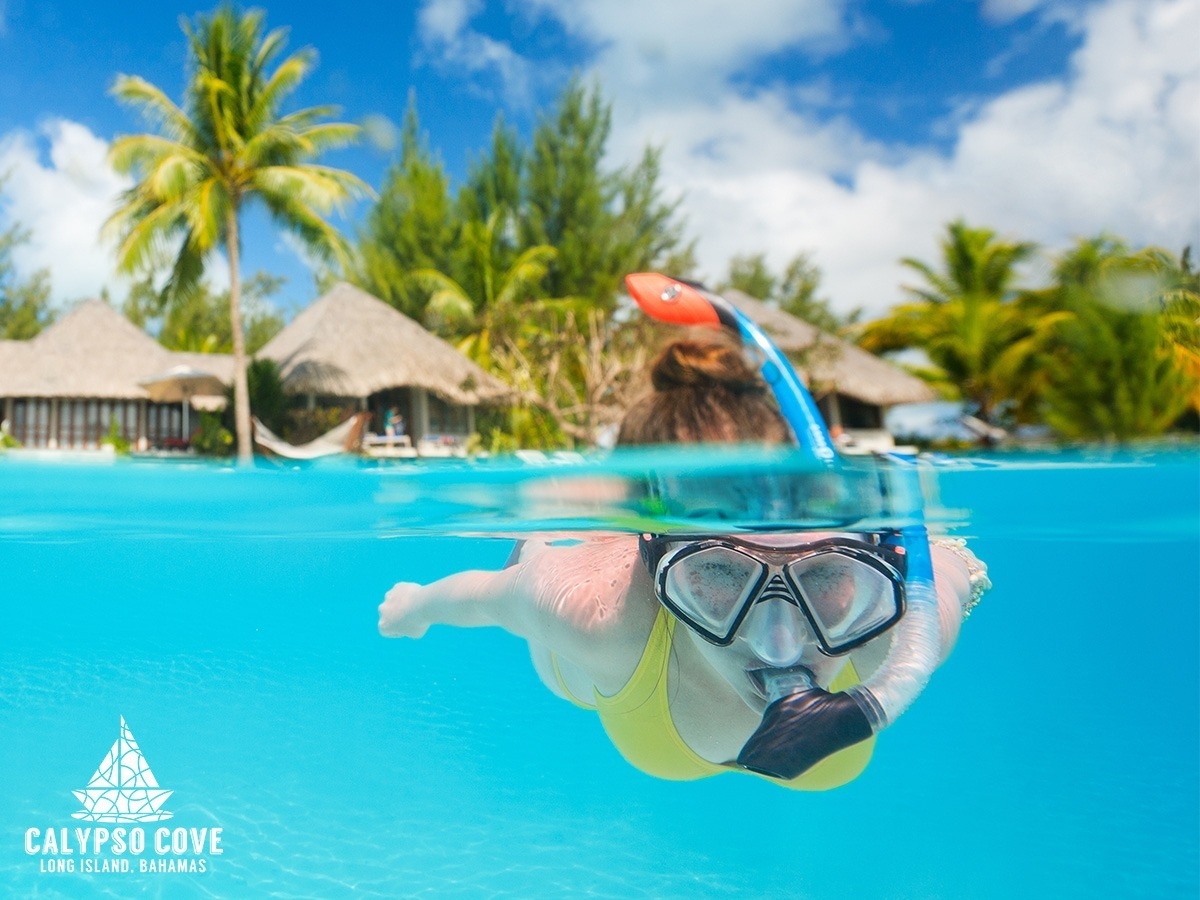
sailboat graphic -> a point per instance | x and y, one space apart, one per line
123 788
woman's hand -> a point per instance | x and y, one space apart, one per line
400 613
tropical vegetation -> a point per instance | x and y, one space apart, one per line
1104 352
795 291
520 264
228 144
199 320
24 302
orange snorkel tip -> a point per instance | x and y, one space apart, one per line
668 300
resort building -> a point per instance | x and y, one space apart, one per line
852 387
350 349
93 370
66 387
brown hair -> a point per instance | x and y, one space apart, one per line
705 391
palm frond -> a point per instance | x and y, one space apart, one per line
306 118
207 209
330 136
186 272
432 281
279 144
322 187
142 153
154 106
448 310
321 238
140 231
285 79
526 273
272 45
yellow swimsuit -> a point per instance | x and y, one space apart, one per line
638 722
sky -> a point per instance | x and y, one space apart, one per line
851 130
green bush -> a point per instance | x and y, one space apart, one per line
211 438
267 400
115 439
268 403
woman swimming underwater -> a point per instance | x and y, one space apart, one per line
778 654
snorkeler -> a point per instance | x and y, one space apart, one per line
776 654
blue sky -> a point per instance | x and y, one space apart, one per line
849 130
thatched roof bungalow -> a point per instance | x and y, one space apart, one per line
65 387
349 346
852 387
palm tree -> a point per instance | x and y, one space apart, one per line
562 369
505 296
967 319
1112 379
1116 370
227 145
1179 301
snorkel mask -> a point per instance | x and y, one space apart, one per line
712 582
848 591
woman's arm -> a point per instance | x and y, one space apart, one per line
586 603
465 599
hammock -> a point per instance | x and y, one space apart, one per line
342 439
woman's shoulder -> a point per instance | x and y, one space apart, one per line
588 601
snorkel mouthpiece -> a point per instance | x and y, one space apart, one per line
802 725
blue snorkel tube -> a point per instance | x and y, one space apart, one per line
795 402
804 723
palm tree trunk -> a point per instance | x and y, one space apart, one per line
241 389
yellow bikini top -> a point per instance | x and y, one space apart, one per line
638 722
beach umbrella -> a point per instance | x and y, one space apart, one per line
180 384
213 403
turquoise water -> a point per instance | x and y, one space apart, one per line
229 617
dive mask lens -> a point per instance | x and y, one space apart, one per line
708 585
849 596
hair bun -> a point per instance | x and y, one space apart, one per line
690 363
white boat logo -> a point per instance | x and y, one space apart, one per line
123 788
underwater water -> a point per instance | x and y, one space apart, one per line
229 617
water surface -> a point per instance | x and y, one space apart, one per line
230 618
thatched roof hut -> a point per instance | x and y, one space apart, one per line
66 387
350 344
93 351
828 363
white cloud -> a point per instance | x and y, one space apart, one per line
62 198
675 49
1007 10
450 42
671 48
1113 145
